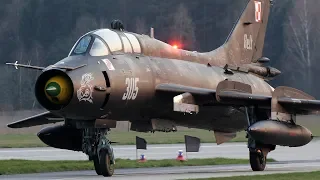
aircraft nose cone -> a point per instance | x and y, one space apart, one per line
53 89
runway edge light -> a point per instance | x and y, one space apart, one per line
142 158
180 156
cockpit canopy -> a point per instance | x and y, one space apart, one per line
105 41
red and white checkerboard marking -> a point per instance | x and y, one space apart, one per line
258 11
108 64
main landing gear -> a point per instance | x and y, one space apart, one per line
257 151
258 155
96 145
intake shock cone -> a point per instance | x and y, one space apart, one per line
58 90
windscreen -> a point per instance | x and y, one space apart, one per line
82 45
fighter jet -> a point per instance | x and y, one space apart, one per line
114 75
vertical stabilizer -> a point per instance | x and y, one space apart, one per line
245 43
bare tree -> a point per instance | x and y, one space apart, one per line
10 23
13 16
183 28
302 32
83 25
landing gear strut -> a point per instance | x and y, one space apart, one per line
96 145
257 151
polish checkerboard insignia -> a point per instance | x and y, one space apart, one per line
258 11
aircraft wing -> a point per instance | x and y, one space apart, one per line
228 92
39 119
176 88
284 102
302 104
259 100
241 98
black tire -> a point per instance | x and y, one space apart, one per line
257 164
107 169
96 163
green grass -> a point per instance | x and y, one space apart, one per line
26 166
123 138
20 141
288 176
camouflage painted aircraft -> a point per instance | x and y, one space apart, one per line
113 75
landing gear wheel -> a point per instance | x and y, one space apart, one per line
96 145
258 161
106 168
96 165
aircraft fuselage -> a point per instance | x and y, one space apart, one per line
124 87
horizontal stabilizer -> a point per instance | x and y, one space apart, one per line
39 119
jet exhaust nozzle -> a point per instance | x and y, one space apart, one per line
280 133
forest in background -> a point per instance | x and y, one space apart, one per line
41 32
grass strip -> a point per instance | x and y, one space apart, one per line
287 176
8 167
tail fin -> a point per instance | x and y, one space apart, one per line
246 41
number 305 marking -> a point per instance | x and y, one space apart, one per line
132 89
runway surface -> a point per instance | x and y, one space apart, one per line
301 159
175 172
228 150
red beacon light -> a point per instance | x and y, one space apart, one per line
175 44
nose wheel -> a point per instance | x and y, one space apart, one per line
97 146
96 163
106 168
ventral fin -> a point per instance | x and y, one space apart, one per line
222 137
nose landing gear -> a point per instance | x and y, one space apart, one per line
98 148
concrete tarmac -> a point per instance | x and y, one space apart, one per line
170 151
301 159
175 172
